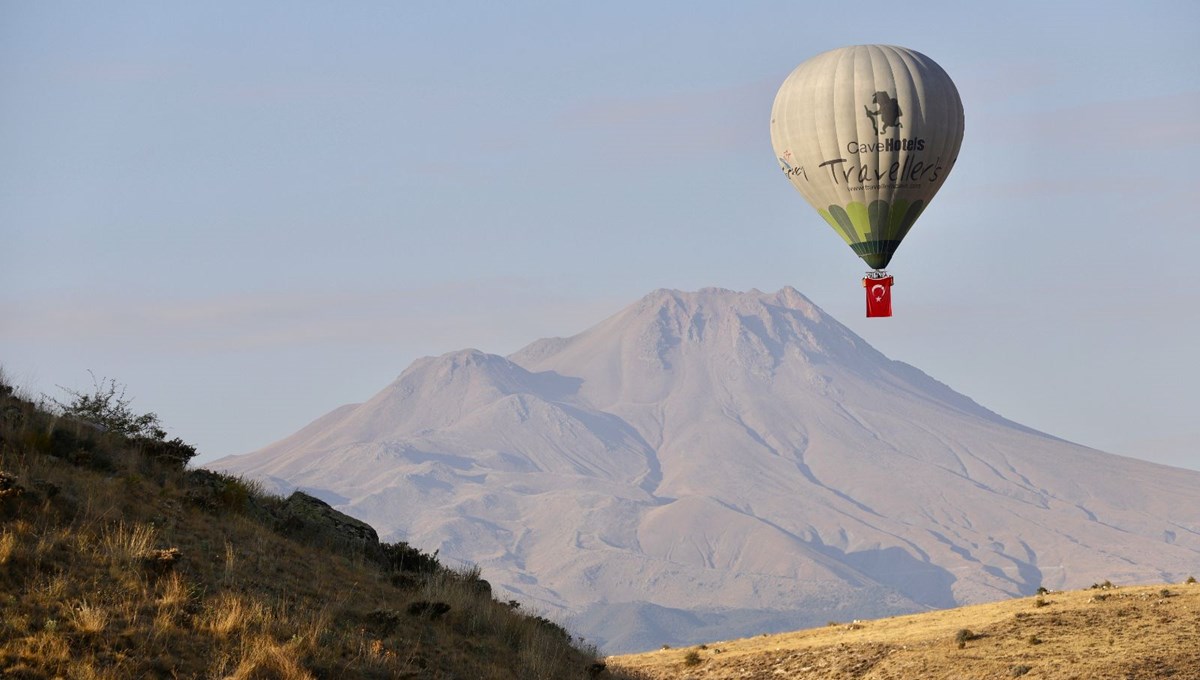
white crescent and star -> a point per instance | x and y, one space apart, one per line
878 292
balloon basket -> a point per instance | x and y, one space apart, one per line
878 286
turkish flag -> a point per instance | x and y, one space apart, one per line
879 296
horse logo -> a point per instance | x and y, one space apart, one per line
887 111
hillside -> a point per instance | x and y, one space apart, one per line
118 562
712 464
1107 633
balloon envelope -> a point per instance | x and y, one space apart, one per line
867 134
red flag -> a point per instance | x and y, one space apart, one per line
879 296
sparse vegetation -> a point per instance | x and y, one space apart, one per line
692 658
1041 602
106 407
116 561
1136 634
1190 580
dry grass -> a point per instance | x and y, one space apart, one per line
8 541
89 619
1127 632
111 568
228 613
263 657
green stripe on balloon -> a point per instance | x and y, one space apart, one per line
906 222
895 229
874 232
840 221
877 212
861 221
876 254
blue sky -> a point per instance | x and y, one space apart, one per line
252 213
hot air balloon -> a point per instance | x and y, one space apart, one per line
868 134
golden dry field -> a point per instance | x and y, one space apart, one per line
1111 633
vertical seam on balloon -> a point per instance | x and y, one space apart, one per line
952 110
931 95
833 90
944 105
868 197
901 55
886 197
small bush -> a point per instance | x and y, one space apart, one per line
1165 593
963 636
692 658
1190 580
107 408
402 557
1040 602
1019 670
1042 591
1033 640
431 610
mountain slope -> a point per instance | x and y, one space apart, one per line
1093 634
117 562
731 462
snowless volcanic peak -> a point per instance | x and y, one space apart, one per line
714 464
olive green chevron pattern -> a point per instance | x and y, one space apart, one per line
874 231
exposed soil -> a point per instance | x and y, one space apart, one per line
1110 634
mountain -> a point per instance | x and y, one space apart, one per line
712 464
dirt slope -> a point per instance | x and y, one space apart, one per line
1100 633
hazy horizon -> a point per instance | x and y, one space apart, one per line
251 215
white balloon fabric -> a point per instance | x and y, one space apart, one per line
867 134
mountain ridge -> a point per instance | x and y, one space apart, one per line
718 451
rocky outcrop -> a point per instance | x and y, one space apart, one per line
313 520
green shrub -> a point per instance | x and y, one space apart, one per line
402 557
107 408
